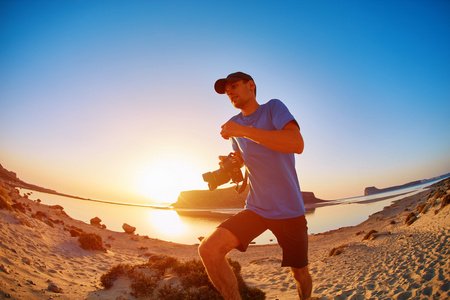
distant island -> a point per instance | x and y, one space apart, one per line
371 190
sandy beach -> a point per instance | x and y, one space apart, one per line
39 259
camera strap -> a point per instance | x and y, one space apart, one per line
240 189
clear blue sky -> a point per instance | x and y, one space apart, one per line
114 99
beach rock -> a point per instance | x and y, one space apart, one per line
31 282
411 218
5 269
26 261
76 232
40 215
91 241
128 229
54 288
19 207
96 221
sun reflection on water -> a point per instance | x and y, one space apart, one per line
167 222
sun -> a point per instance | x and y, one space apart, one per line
163 178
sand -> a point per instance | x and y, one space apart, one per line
40 261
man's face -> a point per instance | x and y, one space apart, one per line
239 92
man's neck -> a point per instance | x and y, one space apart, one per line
250 108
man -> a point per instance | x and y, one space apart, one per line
264 138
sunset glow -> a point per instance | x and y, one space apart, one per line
115 100
164 177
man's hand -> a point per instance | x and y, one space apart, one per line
237 157
232 129
286 140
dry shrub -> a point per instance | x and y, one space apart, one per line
115 272
337 250
5 201
161 263
194 280
142 285
91 241
445 201
368 235
411 218
193 274
439 193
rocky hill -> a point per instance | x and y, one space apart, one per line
373 190
11 178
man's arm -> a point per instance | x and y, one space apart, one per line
287 140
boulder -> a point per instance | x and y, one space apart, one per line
96 221
128 229
54 288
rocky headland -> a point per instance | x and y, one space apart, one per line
228 198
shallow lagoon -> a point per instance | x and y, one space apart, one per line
185 226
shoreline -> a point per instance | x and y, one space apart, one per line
402 261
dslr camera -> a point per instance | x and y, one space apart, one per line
230 169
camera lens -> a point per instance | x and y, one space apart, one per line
216 178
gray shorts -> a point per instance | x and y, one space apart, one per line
292 234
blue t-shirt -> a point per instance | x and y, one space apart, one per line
274 187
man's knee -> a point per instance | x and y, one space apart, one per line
217 245
300 274
206 250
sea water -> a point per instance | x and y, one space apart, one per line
186 226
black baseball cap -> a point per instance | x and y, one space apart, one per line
220 84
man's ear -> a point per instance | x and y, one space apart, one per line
252 85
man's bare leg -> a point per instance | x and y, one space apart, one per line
304 282
213 251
